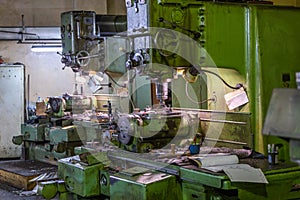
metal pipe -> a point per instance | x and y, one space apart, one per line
28 96
20 33
23 29
32 33
111 24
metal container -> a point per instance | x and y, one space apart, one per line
12 108
143 186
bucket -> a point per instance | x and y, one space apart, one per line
194 148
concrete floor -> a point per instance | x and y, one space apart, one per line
10 193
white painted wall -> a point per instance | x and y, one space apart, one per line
45 69
116 7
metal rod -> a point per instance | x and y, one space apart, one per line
225 141
205 111
23 29
91 56
143 162
223 121
28 96
19 33
196 111
38 41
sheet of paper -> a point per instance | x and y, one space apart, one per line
220 168
244 173
240 173
236 98
230 165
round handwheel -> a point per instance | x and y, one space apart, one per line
126 132
167 42
82 58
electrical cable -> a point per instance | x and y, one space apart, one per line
217 75
131 102
115 82
123 86
174 25
192 100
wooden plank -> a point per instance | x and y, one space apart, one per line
18 173
18 181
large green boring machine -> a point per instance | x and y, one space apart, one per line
195 73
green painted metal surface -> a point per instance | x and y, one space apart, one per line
259 41
47 189
197 92
201 178
281 185
105 183
149 185
80 179
66 134
141 92
199 191
34 133
49 144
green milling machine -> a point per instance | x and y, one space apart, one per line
182 58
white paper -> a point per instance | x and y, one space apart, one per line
243 173
230 165
236 98
220 168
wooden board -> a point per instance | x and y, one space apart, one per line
18 173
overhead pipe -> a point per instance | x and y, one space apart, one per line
32 33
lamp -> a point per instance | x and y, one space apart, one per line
46 48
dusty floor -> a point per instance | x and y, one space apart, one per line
10 193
